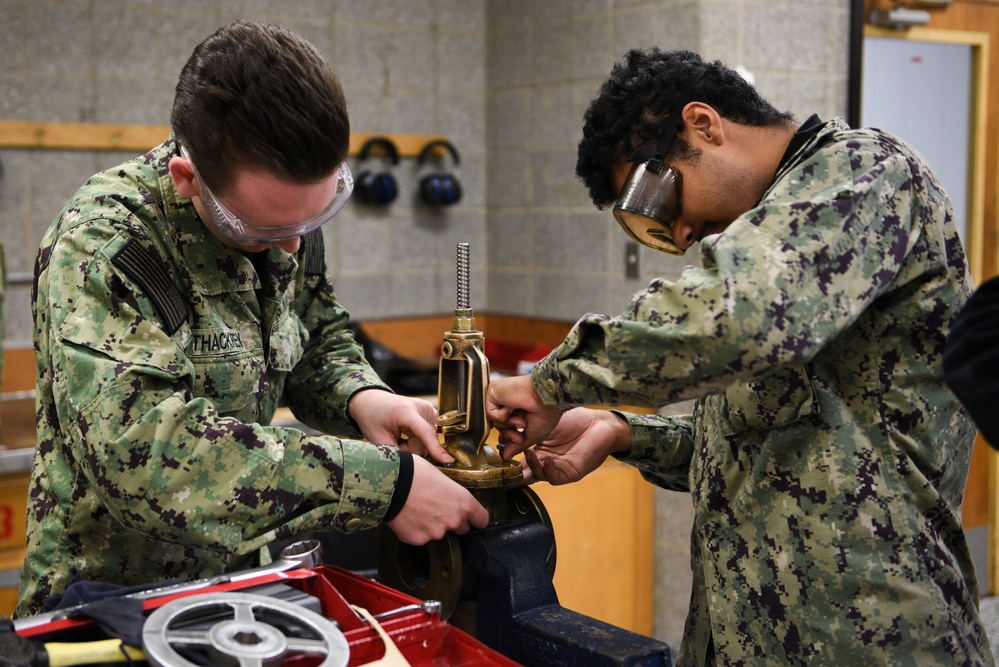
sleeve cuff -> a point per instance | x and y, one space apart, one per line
402 486
543 378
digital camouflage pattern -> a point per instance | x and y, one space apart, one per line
825 457
153 457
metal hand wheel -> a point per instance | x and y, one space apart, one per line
239 632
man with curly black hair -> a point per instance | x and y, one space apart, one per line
826 458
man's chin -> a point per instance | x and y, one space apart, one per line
252 247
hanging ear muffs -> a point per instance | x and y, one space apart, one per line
439 189
377 188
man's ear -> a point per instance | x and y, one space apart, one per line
183 176
702 121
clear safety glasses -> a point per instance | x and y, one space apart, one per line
242 232
650 201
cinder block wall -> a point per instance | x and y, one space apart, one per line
551 253
407 66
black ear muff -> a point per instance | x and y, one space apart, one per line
377 188
439 189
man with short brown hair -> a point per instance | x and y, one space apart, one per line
180 298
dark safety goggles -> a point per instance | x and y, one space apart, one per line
650 201
649 205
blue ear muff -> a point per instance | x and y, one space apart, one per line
377 188
439 189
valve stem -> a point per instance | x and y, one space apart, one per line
463 276
464 316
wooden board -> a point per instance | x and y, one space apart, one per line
101 136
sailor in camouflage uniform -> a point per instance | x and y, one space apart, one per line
168 330
825 457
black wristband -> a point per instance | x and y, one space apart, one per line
402 486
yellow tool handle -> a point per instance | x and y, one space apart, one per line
68 654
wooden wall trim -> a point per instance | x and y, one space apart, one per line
80 136
413 337
525 329
120 137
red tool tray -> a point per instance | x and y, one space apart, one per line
423 637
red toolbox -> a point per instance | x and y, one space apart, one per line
416 629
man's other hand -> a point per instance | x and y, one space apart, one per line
516 411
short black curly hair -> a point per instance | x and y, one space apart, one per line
633 104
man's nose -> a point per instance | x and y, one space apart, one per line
683 234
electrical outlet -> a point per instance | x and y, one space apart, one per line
631 260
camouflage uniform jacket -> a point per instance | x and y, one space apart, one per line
825 456
155 388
